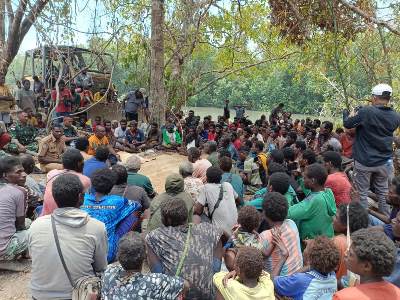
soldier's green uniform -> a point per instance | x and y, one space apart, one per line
25 134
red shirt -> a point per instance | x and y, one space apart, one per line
65 93
237 143
340 186
5 138
366 291
347 144
211 136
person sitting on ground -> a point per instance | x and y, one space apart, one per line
82 242
275 208
308 158
337 181
154 136
117 213
319 281
100 139
34 195
72 161
31 117
126 281
227 144
132 165
210 148
372 255
192 185
225 164
251 282
202 257
131 192
82 144
99 161
24 135
51 149
174 189
119 134
13 233
358 219
250 175
171 139
40 123
313 215
70 132
200 165
134 138
244 234
220 200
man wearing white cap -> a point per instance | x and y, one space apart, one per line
372 149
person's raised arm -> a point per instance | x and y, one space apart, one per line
352 121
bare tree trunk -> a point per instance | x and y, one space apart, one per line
385 55
157 86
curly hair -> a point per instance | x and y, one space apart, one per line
274 167
358 216
250 262
318 172
375 247
275 206
66 190
174 212
131 251
323 255
103 180
249 218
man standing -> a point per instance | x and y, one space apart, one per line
372 149
51 149
133 101
25 97
274 116
65 104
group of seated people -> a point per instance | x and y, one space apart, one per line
255 211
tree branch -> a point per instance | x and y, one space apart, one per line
241 69
32 16
370 18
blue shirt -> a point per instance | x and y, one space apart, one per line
93 164
308 286
236 182
232 150
137 137
111 210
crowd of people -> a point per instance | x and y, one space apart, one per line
265 210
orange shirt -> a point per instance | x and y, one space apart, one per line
94 142
376 290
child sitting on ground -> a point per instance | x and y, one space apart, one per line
319 282
247 281
372 255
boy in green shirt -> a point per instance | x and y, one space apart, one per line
314 215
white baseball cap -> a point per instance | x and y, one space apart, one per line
381 88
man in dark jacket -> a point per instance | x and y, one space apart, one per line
372 149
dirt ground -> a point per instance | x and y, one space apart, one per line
16 285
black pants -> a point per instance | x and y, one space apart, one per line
132 116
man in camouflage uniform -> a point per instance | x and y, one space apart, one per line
24 136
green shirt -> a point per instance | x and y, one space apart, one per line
213 159
142 181
300 182
258 200
314 215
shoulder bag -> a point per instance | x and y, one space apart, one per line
207 218
86 287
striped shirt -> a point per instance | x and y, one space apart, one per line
290 237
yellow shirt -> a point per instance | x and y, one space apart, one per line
94 142
237 291
33 121
97 97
